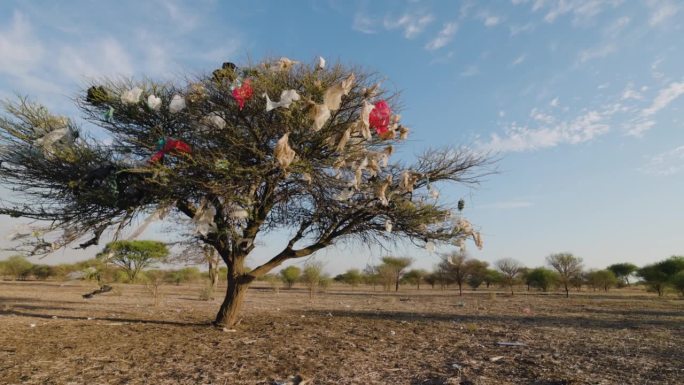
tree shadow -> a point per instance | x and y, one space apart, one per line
111 319
564 321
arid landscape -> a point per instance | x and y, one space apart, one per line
49 334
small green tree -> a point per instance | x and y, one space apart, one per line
415 277
541 278
352 277
510 271
312 275
395 268
623 271
602 279
134 256
290 275
568 266
659 276
678 282
17 267
492 277
477 272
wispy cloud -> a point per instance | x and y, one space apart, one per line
518 29
664 98
363 24
470 71
548 131
661 11
596 53
412 24
489 20
443 37
21 51
581 10
519 60
667 163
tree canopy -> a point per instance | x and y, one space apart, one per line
218 154
134 256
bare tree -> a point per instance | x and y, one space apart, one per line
511 270
568 267
454 265
220 157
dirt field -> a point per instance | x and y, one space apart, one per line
50 335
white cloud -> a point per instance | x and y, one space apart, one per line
79 62
614 29
595 53
20 50
470 71
630 93
661 11
518 29
551 132
554 102
664 98
491 21
664 164
637 127
412 24
443 38
364 24
581 10
519 60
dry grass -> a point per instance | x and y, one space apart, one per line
342 337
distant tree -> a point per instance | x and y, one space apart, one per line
660 275
568 267
510 271
17 266
395 268
678 282
415 277
186 274
492 277
476 272
312 277
524 274
432 279
371 276
290 275
602 279
541 278
42 272
134 256
351 277
622 271
453 266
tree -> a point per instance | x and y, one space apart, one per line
541 278
492 276
415 277
134 256
432 279
16 266
290 275
214 150
476 271
678 282
510 271
622 271
602 279
659 276
568 267
394 268
312 276
454 266
42 272
352 277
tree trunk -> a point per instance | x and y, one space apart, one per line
213 273
235 294
396 285
460 290
567 291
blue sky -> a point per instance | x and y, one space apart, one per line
581 100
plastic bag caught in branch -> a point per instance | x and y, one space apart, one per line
379 117
242 93
388 226
333 95
213 120
283 153
157 215
408 179
320 64
343 140
381 191
403 132
131 96
204 218
287 97
177 104
284 64
154 102
320 114
169 146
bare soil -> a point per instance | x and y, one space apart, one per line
49 334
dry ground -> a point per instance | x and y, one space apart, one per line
50 335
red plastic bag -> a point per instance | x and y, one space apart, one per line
379 117
169 146
243 93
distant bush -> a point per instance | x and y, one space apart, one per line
184 275
16 267
659 276
541 278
